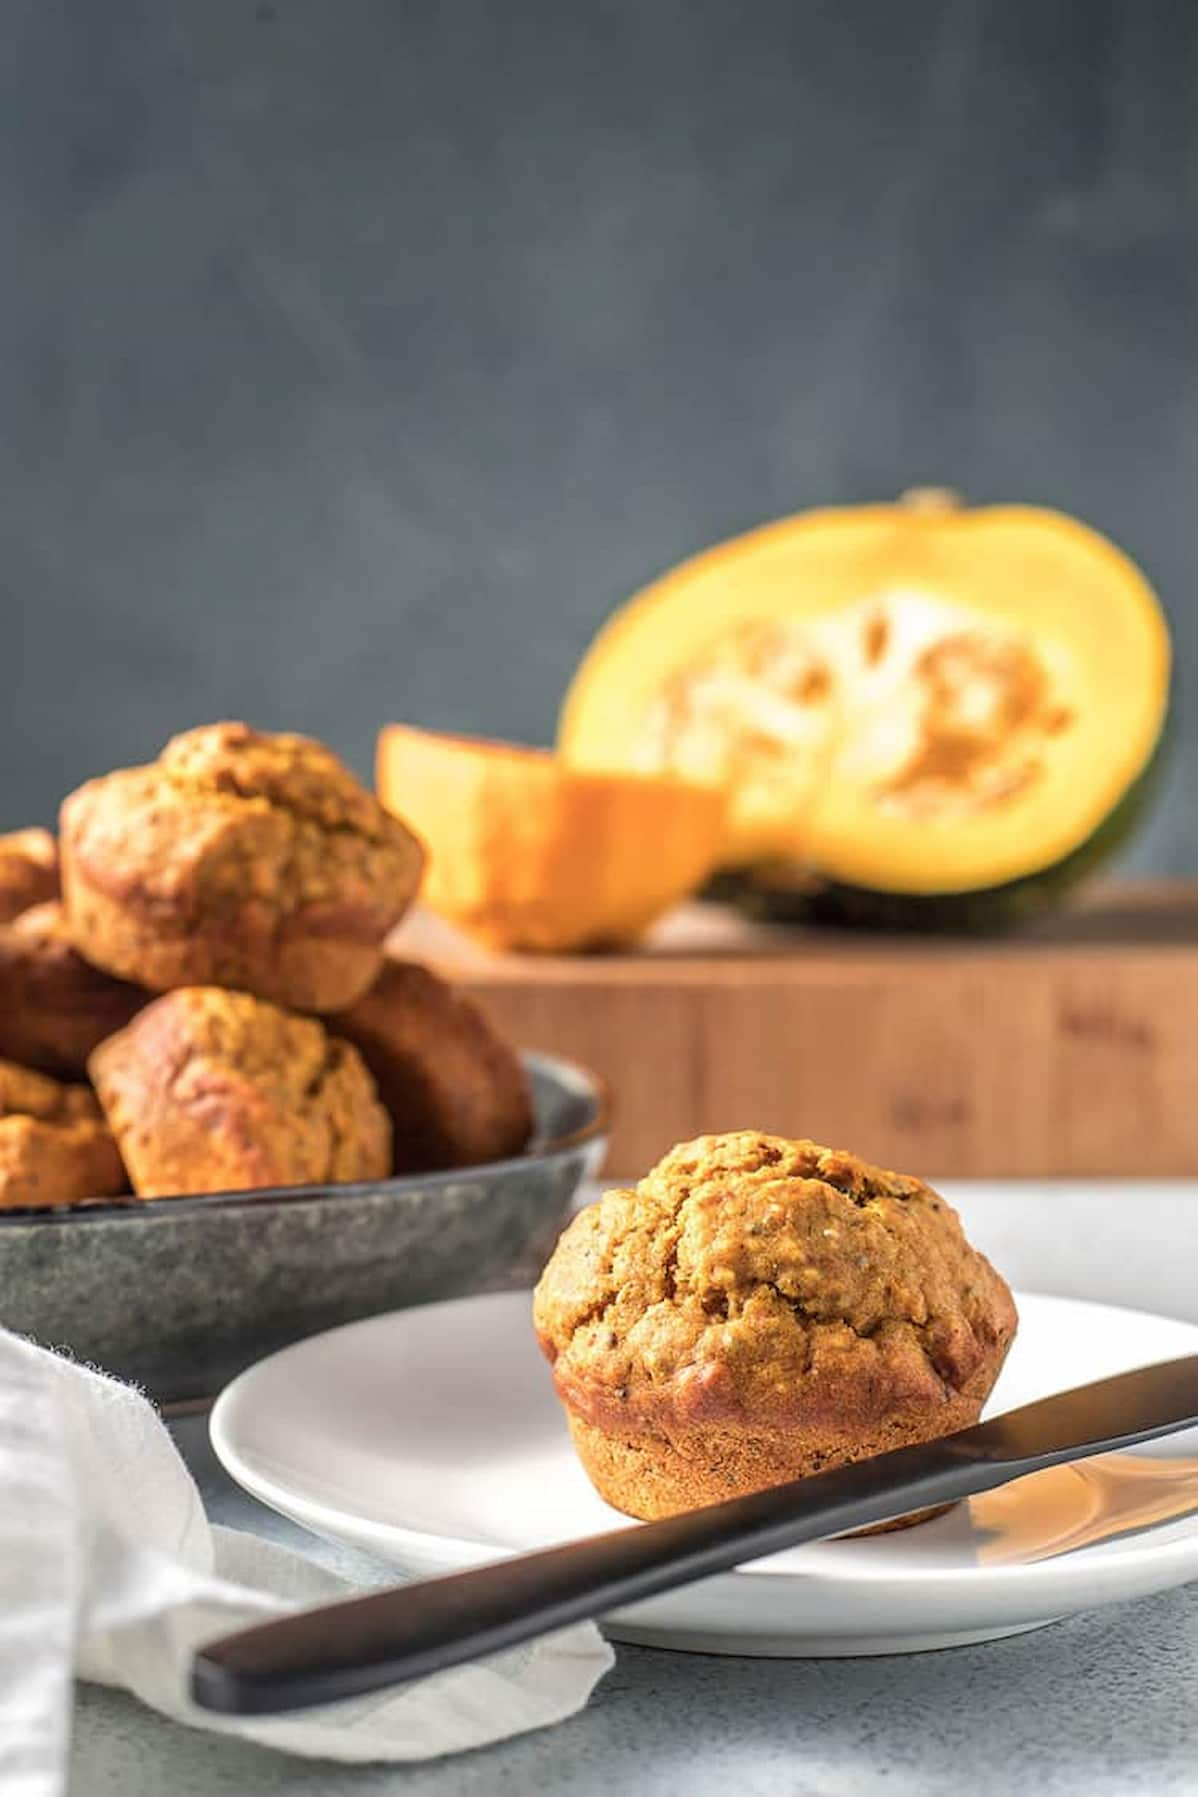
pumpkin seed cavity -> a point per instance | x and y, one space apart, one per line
934 711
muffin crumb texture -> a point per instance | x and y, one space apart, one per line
757 1309
239 859
55 1147
209 1090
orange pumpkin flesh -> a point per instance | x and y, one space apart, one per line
524 853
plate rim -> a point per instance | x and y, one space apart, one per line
1048 1577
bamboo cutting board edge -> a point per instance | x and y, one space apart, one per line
1026 1056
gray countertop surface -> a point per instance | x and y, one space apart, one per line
1102 1703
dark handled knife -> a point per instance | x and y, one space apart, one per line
365 1643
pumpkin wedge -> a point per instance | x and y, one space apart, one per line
915 701
524 853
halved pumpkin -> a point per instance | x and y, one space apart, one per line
524 853
912 699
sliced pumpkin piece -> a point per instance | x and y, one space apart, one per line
524 853
915 699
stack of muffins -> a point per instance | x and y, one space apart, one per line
205 944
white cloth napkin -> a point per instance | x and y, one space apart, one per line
110 1571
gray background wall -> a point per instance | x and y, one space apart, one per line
359 356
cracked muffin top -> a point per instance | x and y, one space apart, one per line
28 871
749 1277
208 1090
234 763
241 859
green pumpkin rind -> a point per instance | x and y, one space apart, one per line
785 893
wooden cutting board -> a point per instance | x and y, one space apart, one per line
1071 1048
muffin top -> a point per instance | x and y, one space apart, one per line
748 1276
229 816
268 1093
28 870
292 1061
295 773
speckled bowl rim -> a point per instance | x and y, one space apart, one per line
565 1073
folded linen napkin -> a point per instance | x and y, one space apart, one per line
110 1571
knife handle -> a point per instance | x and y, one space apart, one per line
386 1637
365 1643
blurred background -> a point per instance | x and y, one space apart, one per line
359 358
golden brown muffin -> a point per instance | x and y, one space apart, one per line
28 871
456 1092
237 859
758 1310
215 1091
55 1006
55 1147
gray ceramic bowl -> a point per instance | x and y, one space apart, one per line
182 1293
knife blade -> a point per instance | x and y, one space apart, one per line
365 1643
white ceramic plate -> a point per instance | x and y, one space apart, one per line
432 1439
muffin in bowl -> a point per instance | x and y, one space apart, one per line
28 871
757 1310
209 1090
55 1007
55 1147
237 859
456 1092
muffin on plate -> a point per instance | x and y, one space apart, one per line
215 1091
55 1147
28 871
456 1092
55 1006
758 1310
237 859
